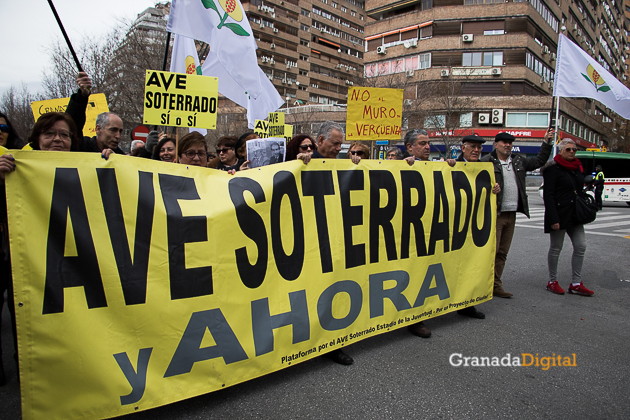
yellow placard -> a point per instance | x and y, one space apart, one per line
260 128
180 100
288 132
276 118
130 297
374 114
97 104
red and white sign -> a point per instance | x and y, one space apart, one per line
140 133
490 133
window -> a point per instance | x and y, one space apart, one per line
494 32
303 57
343 9
303 72
476 59
333 4
353 13
304 27
527 119
465 119
435 121
306 13
304 42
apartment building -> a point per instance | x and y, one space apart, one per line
311 50
502 53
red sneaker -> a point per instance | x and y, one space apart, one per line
580 290
554 287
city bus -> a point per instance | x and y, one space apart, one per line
616 168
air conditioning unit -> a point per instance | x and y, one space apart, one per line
467 37
497 116
407 44
259 7
575 27
410 73
262 26
407 102
444 73
271 61
413 42
545 49
553 56
289 82
270 78
284 81
273 46
579 32
288 65
496 71
273 15
275 30
381 50
484 118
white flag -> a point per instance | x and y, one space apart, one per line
578 75
257 109
184 58
232 57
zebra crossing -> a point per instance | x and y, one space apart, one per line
612 221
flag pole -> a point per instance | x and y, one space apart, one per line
168 41
65 35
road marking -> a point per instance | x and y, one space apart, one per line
603 225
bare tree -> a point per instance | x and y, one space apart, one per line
16 104
448 104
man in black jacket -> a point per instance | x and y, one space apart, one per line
109 126
509 172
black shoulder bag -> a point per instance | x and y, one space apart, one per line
585 207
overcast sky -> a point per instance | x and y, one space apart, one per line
28 27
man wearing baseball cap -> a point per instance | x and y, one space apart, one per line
471 150
509 172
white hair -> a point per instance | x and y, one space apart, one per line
564 143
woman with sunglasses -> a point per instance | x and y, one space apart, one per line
226 149
8 136
562 179
193 150
53 131
301 145
358 151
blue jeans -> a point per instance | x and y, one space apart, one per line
578 239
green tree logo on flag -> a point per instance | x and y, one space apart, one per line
596 79
232 10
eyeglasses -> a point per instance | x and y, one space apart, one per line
63 135
306 146
4 128
190 154
225 150
391 155
357 152
571 149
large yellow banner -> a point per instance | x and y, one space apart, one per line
139 283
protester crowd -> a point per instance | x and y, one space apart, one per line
563 177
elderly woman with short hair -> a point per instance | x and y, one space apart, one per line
563 179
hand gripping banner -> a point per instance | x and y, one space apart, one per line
139 283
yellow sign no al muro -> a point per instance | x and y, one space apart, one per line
180 100
130 297
374 114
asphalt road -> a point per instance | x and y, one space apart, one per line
400 376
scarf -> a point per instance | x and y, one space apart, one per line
568 165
